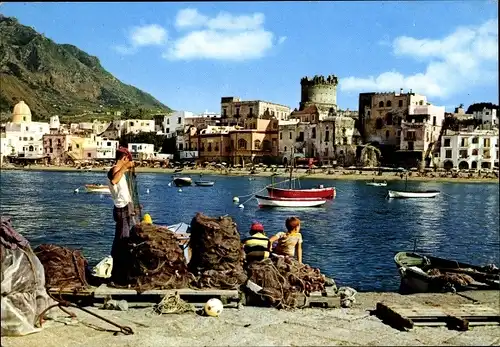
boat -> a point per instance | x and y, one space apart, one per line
319 192
377 184
426 274
395 194
204 183
270 201
97 188
183 181
398 194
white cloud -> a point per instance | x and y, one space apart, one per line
467 56
140 36
223 37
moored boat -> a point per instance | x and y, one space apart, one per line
270 201
320 193
396 194
97 188
377 184
421 274
183 181
204 183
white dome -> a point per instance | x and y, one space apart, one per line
21 113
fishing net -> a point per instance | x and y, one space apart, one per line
64 268
24 296
449 279
218 256
172 303
285 282
155 260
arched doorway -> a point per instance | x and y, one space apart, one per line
463 165
448 165
473 165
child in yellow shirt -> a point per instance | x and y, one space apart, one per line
289 242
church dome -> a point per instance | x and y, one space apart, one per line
21 113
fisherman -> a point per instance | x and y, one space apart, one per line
123 208
256 246
289 243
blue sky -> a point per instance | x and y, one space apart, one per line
188 55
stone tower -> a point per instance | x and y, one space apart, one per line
319 91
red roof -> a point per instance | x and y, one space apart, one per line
308 110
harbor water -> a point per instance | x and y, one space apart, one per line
352 238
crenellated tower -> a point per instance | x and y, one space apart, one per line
320 91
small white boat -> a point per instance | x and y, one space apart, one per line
377 184
268 201
395 194
97 188
204 183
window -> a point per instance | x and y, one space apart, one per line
327 136
251 111
368 113
313 134
381 104
202 147
486 143
379 123
411 135
290 135
400 103
448 154
224 112
486 154
411 146
447 142
388 119
237 111
434 120
389 103
178 120
312 118
51 150
242 144
387 135
463 154
89 155
216 147
464 142
209 147
281 136
50 142
168 121
345 140
421 103
475 140
285 149
301 136
256 144
475 152
77 146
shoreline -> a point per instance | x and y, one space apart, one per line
346 175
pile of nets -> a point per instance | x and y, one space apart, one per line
24 296
218 256
449 279
156 260
64 267
285 282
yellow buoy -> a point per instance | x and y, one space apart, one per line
147 219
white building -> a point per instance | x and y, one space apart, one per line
24 138
105 148
469 149
118 128
142 151
487 116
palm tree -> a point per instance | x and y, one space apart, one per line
370 156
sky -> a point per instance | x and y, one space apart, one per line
189 55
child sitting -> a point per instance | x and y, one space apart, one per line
256 246
289 243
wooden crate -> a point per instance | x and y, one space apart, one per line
325 299
458 317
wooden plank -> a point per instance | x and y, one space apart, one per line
443 311
393 318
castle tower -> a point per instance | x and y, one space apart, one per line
21 113
319 91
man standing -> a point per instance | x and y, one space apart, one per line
122 210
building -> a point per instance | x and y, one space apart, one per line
319 91
24 138
487 116
55 147
469 149
118 128
105 148
235 111
142 151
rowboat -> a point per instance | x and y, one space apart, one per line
204 183
421 274
97 188
183 181
395 194
376 184
269 201
320 193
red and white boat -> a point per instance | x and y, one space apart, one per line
269 201
320 193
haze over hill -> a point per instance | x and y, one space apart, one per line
60 78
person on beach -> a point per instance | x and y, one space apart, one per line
256 246
289 243
123 207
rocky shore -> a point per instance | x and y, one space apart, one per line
252 326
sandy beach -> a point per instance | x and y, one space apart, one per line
317 174
252 326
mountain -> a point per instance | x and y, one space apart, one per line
60 78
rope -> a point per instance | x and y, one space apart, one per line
347 296
269 185
172 303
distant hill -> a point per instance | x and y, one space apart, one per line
60 78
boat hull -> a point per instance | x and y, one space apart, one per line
97 189
204 183
268 201
376 184
394 194
320 193
183 181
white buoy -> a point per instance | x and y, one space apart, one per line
214 307
147 191
241 206
76 190
180 190
170 184
236 200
